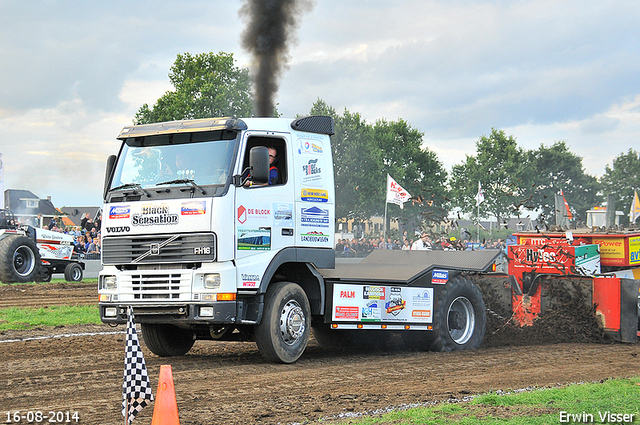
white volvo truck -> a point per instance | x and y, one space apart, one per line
202 248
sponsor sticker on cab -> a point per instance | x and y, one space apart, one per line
117 212
314 195
439 276
193 208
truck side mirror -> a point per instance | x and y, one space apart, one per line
259 162
111 165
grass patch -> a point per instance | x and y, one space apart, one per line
26 318
579 403
53 281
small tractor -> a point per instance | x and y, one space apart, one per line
29 254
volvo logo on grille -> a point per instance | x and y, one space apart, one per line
154 248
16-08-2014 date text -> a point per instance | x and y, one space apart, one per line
38 416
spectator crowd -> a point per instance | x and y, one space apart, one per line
87 237
361 247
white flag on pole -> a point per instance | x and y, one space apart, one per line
395 193
634 211
480 195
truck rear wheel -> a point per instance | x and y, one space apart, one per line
19 259
283 333
460 317
73 272
167 340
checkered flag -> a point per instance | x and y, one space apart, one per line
136 390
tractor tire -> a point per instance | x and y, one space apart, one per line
283 333
459 318
44 274
19 259
73 272
167 340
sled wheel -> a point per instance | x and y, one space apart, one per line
460 317
44 274
19 259
167 340
73 272
283 333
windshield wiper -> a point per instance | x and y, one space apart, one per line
182 181
131 186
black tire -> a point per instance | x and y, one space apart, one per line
283 333
73 272
329 338
167 340
417 340
460 316
44 274
19 259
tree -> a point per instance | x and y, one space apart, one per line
356 164
363 154
416 168
206 85
499 167
622 179
551 170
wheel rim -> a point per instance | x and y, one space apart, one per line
292 322
24 261
76 273
461 320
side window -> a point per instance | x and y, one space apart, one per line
277 157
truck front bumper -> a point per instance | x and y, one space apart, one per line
219 312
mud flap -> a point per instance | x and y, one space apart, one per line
616 302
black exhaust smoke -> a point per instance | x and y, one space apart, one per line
269 31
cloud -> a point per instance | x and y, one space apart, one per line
75 73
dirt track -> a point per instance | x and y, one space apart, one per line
230 383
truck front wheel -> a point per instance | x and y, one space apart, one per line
283 333
460 317
167 340
19 259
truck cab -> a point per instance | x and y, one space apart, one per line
195 238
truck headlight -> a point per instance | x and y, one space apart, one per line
212 281
108 283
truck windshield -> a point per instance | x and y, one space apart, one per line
206 162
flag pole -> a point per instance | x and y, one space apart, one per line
126 419
384 232
478 223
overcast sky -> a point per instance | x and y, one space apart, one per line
73 73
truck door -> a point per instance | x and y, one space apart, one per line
264 214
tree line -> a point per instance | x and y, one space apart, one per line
516 181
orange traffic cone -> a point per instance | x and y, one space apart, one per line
165 411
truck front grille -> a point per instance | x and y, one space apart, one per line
158 285
153 249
